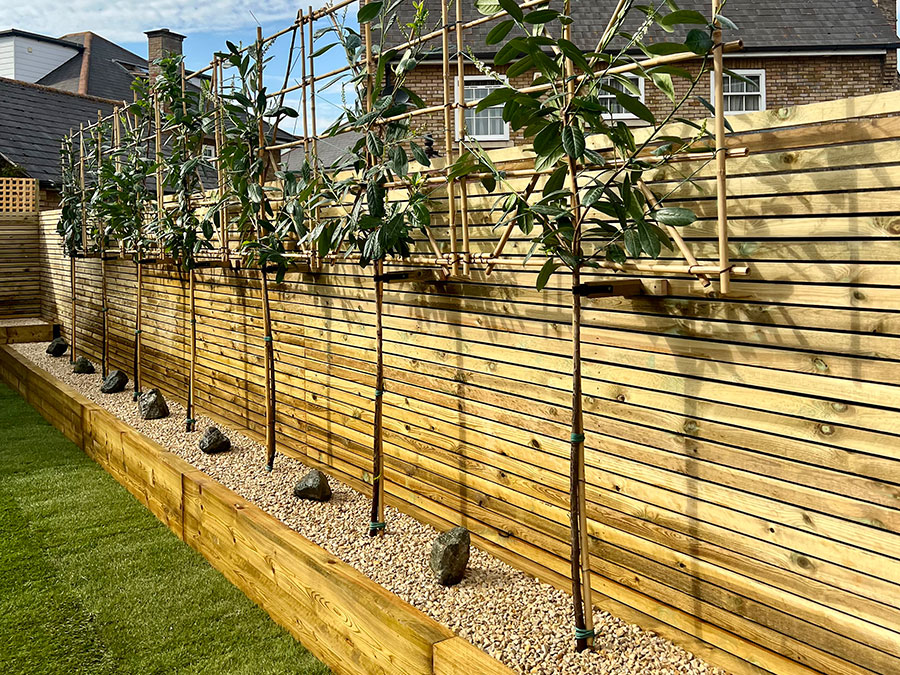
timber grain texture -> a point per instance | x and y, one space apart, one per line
38 331
743 453
344 618
20 265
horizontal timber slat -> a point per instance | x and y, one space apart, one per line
743 460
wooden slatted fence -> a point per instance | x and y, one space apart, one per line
19 248
743 463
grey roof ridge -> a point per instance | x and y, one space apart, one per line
43 38
53 90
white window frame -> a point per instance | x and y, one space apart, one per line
488 138
627 115
209 151
745 72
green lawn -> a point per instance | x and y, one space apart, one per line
91 582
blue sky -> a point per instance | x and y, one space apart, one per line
206 25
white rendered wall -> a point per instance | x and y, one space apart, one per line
32 59
7 62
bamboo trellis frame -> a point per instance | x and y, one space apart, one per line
459 261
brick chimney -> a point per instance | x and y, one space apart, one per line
161 42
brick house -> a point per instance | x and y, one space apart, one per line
795 52
49 86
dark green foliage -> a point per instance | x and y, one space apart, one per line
186 121
264 228
69 225
570 116
372 226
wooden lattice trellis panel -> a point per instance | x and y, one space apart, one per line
18 195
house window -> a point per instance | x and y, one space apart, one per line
617 112
744 94
486 125
209 151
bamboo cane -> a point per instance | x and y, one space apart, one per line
324 11
674 233
462 131
721 195
653 62
220 141
303 103
507 232
426 37
448 135
312 97
312 102
264 280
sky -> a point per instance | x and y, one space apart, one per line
206 25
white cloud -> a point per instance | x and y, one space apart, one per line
126 20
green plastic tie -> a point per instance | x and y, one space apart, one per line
584 633
137 332
379 392
376 526
577 438
267 338
104 309
190 420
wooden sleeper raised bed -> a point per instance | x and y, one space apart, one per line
343 617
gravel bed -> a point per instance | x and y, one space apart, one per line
21 322
522 622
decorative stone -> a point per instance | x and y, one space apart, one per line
115 382
83 366
214 441
314 486
450 555
57 347
153 405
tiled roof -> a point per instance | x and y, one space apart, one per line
33 121
107 78
763 25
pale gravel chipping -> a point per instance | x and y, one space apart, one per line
522 622
22 322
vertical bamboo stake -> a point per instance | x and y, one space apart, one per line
303 85
312 103
721 155
267 318
312 96
448 137
377 522
219 88
82 161
462 131
581 560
